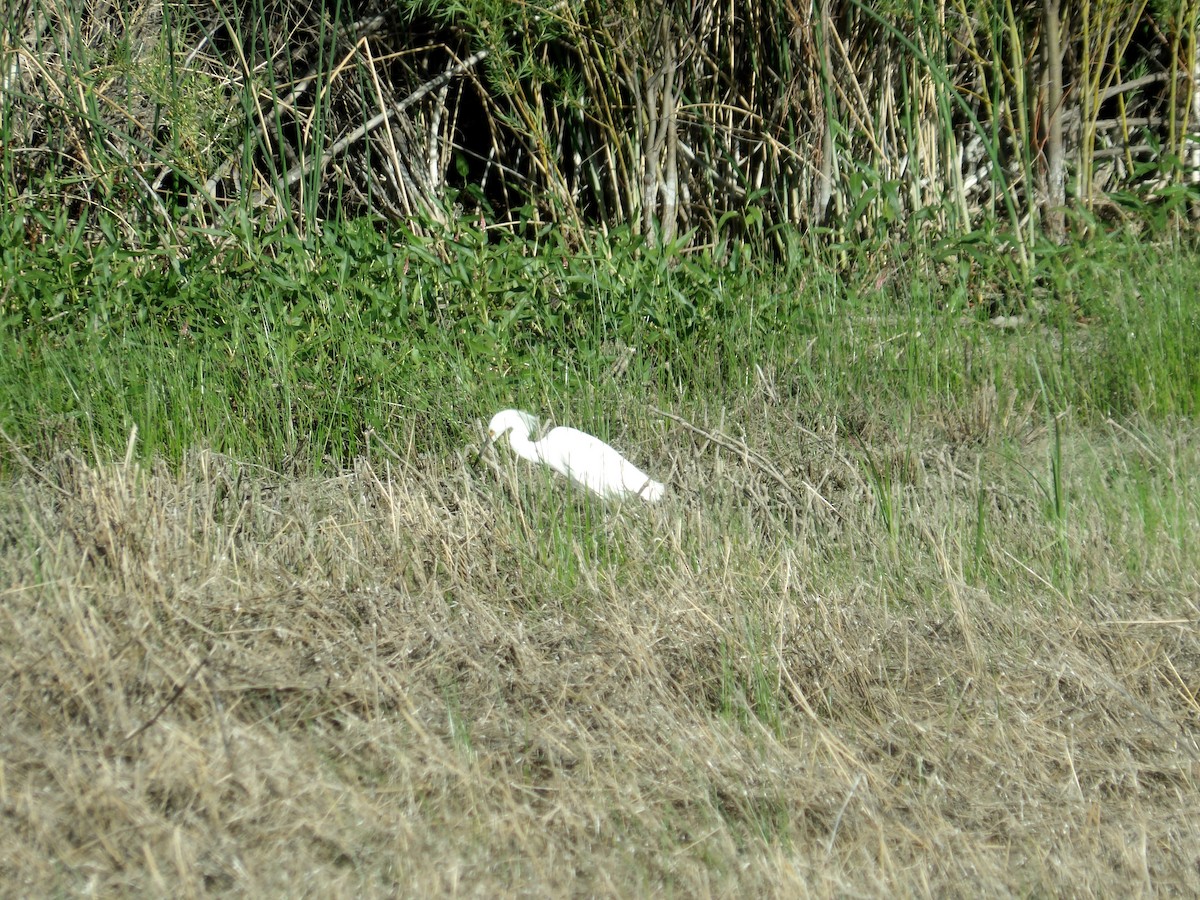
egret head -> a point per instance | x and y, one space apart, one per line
522 424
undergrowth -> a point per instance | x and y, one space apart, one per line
290 351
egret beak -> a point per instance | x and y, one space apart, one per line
474 463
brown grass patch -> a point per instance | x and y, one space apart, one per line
417 678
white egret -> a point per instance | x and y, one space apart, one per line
584 459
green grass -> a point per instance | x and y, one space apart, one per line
289 352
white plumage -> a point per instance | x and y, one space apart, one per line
584 459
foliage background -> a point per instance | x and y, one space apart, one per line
705 121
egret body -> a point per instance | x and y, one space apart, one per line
584 459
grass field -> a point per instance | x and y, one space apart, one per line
919 615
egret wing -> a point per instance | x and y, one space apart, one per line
599 467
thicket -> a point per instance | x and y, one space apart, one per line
691 122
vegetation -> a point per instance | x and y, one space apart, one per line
702 123
856 651
898 299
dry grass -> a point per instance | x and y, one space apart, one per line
422 678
